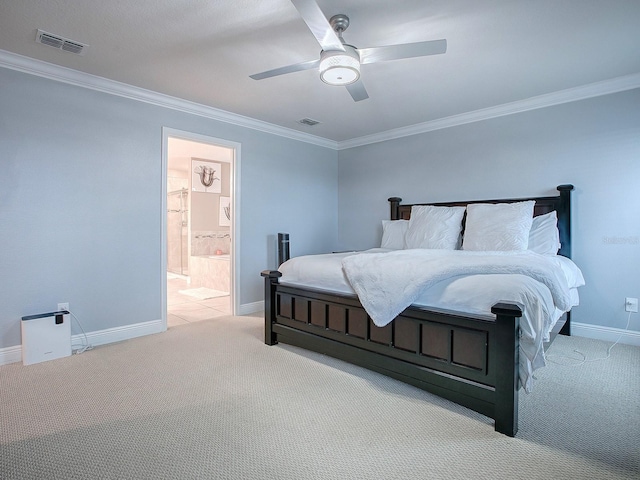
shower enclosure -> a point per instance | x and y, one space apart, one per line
178 231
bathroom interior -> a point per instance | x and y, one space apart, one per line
198 231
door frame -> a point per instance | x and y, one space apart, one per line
235 218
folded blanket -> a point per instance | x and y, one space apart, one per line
387 283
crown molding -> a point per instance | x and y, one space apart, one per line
40 68
606 87
74 77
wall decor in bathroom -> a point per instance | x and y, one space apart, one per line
225 212
206 176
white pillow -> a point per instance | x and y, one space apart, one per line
434 227
544 237
498 226
393 234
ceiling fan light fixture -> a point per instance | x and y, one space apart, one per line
340 68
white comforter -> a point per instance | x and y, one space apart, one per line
387 283
470 282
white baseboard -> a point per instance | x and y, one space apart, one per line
10 355
99 337
117 334
608 334
249 308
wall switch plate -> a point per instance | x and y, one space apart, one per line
63 306
631 305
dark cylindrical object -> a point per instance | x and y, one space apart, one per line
283 248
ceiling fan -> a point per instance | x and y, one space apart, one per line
339 63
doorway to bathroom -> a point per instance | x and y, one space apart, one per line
200 244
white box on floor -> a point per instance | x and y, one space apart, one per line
45 336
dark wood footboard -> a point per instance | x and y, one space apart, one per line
470 360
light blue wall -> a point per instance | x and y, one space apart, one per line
80 202
593 144
80 188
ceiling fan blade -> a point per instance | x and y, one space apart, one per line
406 50
357 91
318 24
288 69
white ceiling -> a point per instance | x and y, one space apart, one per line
499 51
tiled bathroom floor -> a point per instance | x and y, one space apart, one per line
183 309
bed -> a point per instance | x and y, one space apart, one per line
473 359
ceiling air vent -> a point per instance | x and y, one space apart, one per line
309 122
60 43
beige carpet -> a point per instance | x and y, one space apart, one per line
209 400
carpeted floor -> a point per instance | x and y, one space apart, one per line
209 400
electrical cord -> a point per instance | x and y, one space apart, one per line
584 358
86 346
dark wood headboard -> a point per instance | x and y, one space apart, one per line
560 203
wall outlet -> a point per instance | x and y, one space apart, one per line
65 306
631 305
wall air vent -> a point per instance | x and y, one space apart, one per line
60 43
309 122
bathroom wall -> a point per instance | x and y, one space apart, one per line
176 180
207 235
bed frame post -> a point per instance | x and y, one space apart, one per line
395 203
507 366
564 226
284 253
564 219
270 281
